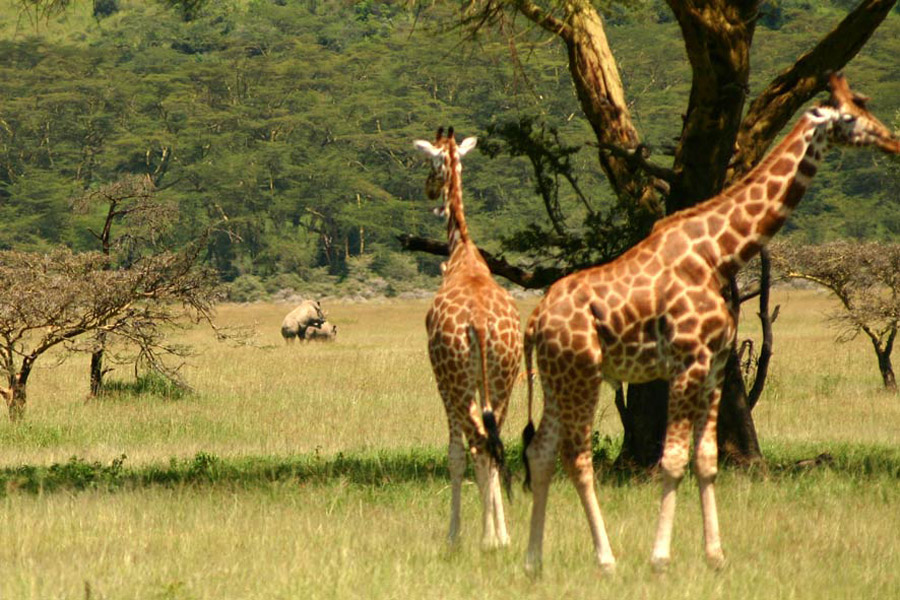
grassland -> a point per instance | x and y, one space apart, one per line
319 472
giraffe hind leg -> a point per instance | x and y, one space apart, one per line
484 475
457 465
577 461
498 513
706 468
541 456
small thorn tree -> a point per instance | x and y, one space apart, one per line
48 300
865 278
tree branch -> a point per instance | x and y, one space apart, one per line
538 16
537 279
776 105
637 158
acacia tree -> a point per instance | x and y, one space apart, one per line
865 278
131 204
49 300
721 139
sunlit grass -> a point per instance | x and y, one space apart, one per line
319 471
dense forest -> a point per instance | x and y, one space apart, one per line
295 119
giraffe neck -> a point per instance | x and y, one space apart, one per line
743 218
457 230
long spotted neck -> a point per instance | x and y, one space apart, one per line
457 230
744 217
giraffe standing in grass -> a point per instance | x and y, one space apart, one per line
474 346
657 312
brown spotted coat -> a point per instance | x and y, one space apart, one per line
474 344
657 312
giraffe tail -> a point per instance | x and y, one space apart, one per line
478 337
528 432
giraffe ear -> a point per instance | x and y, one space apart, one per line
427 148
466 145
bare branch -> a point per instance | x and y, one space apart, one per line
537 279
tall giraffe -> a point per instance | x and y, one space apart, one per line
474 346
657 312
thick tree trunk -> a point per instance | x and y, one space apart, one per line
736 432
644 418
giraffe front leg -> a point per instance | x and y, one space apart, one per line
457 465
706 454
489 539
498 513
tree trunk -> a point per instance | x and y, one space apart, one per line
15 395
644 419
96 372
887 370
16 404
736 433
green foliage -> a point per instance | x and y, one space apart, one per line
150 383
854 463
246 288
294 119
105 8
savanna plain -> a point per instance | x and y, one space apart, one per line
319 471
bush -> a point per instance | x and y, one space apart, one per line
285 281
150 383
246 288
105 8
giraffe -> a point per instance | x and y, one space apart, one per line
474 344
657 312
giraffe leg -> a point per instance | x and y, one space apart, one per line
541 454
498 514
483 475
457 465
578 463
675 457
706 467
501 398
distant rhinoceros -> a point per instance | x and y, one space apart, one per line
326 332
307 314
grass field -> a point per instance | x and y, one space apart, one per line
319 472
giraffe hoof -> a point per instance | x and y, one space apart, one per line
490 545
533 567
716 561
660 564
608 568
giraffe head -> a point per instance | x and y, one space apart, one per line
853 124
444 154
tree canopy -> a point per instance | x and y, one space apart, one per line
294 119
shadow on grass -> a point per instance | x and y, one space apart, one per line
378 469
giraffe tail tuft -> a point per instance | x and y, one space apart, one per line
496 450
527 436
478 337
528 432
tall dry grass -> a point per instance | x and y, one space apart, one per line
332 484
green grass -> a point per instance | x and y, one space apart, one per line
319 471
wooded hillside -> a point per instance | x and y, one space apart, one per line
295 120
